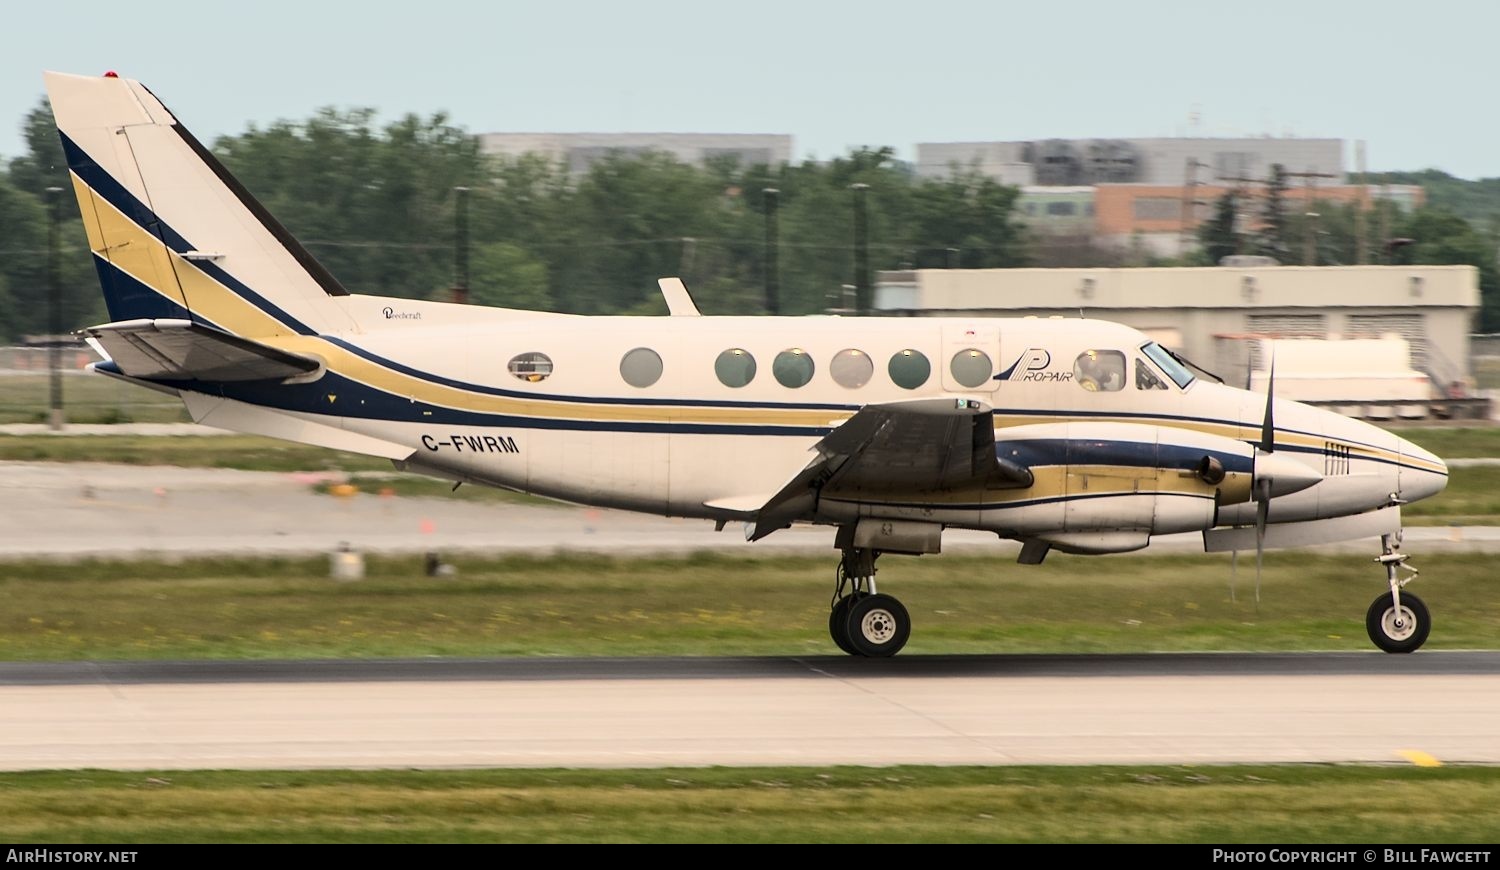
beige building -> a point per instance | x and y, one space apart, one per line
1209 313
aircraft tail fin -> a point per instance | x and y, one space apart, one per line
173 234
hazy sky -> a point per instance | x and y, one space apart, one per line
1415 80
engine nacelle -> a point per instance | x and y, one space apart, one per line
1098 477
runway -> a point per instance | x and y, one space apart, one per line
1173 708
87 510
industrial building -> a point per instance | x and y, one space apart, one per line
1169 162
579 151
1216 316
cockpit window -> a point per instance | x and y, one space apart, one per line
1168 363
1145 379
1100 370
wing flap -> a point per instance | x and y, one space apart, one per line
182 350
915 445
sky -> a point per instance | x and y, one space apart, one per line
1413 80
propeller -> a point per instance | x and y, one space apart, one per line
1263 482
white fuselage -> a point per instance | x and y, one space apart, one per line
687 444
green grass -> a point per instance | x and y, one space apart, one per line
709 604
1454 442
87 399
1229 804
1472 498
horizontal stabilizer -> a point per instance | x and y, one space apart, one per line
183 350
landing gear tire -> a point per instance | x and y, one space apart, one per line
838 625
1396 632
878 626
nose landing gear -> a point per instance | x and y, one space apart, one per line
1396 622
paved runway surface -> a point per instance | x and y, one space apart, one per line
1181 708
77 510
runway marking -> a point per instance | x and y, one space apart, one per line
1419 758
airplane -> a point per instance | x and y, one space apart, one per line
1076 435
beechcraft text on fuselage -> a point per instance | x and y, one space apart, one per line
471 443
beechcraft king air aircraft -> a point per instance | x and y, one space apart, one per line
1076 435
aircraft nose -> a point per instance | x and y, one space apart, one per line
1422 474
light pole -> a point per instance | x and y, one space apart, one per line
57 419
861 251
773 275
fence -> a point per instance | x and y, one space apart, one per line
26 391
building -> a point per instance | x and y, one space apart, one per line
1150 195
1210 313
1172 161
579 151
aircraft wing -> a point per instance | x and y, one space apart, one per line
183 350
915 445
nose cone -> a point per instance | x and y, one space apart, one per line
1422 474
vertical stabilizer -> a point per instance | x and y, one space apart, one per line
173 234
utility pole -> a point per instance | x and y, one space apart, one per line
1189 203
461 245
861 251
1361 223
57 419
773 274
1309 232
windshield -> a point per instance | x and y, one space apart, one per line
1168 363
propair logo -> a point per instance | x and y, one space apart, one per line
1032 366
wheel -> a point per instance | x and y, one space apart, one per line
878 626
1381 619
838 625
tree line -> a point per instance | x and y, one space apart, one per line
377 204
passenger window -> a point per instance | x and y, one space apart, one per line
909 369
1100 370
851 368
971 367
735 367
531 366
641 367
1145 379
792 368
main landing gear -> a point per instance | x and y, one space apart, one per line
864 622
1397 622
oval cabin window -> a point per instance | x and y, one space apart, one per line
641 367
909 369
735 367
971 367
792 368
531 366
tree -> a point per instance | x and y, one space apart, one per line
971 213
505 275
1219 235
43 165
1271 240
1442 238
